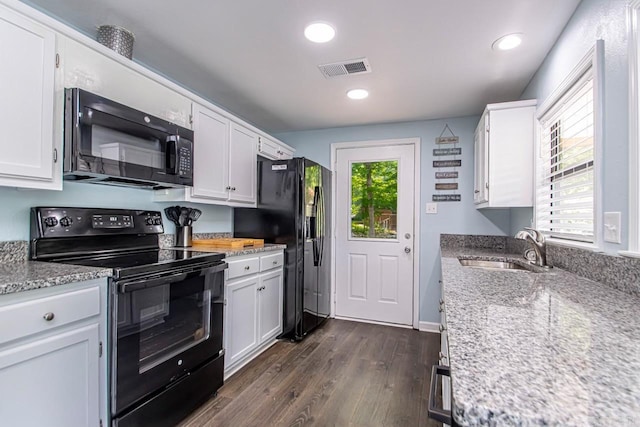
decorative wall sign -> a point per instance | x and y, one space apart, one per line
446 185
447 140
447 151
446 198
446 175
447 163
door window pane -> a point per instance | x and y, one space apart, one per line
374 199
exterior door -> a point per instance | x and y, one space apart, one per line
374 233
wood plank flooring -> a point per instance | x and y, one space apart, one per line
343 374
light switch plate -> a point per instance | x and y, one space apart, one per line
432 208
612 222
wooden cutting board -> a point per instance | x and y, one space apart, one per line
229 242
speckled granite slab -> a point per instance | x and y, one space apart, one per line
168 240
237 252
28 275
539 349
14 251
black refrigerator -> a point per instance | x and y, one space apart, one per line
294 208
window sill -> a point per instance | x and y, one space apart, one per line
574 244
629 254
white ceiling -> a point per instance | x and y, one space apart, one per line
430 58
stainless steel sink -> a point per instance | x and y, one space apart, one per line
491 265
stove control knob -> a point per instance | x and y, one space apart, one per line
50 221
65 221
148 221
157 221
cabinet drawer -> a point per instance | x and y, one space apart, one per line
242 267
30 317
268 262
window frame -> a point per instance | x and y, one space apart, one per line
593 61
633 26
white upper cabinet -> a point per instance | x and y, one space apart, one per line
30 141
225 163
273 150
504 155
94 69
242 164
210 154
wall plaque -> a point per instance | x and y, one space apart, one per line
447 186
446 175
447 151
447 140
446 198
447 163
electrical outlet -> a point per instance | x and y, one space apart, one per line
612 222
432 208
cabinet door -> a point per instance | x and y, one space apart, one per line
210 154
481 161
242 164
270 309
98 72
27 78
53 381
268 148
241 319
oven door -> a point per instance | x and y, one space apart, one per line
163 327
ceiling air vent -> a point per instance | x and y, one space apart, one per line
343 68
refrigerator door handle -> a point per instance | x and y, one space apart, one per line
322 222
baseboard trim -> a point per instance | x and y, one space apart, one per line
373 322
429 327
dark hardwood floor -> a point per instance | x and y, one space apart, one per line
343 374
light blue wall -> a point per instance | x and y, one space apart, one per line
454 218
15 205
593 20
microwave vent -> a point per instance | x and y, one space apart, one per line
344 68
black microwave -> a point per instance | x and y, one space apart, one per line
109 143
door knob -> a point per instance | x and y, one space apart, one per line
407 249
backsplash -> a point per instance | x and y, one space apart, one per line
618 272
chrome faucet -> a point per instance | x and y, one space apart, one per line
538 243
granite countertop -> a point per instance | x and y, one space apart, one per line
237 252
22 276
533 349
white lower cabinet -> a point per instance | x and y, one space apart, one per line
52 368
253 309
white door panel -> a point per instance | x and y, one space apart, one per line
374 270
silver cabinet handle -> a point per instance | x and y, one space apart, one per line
442 328
247 267
440 308
227 187
407 249
275 262
233 188
440 355
48 316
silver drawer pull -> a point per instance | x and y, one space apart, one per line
247 267
440 355
442 328
48 316
275 262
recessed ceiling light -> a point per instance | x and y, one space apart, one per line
358 93
508 42
319 32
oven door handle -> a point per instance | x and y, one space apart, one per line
150 283
137 285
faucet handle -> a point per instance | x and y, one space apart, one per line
537 235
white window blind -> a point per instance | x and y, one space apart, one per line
565 199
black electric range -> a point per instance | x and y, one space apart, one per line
165 308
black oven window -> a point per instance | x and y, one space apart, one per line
167 321
107 143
